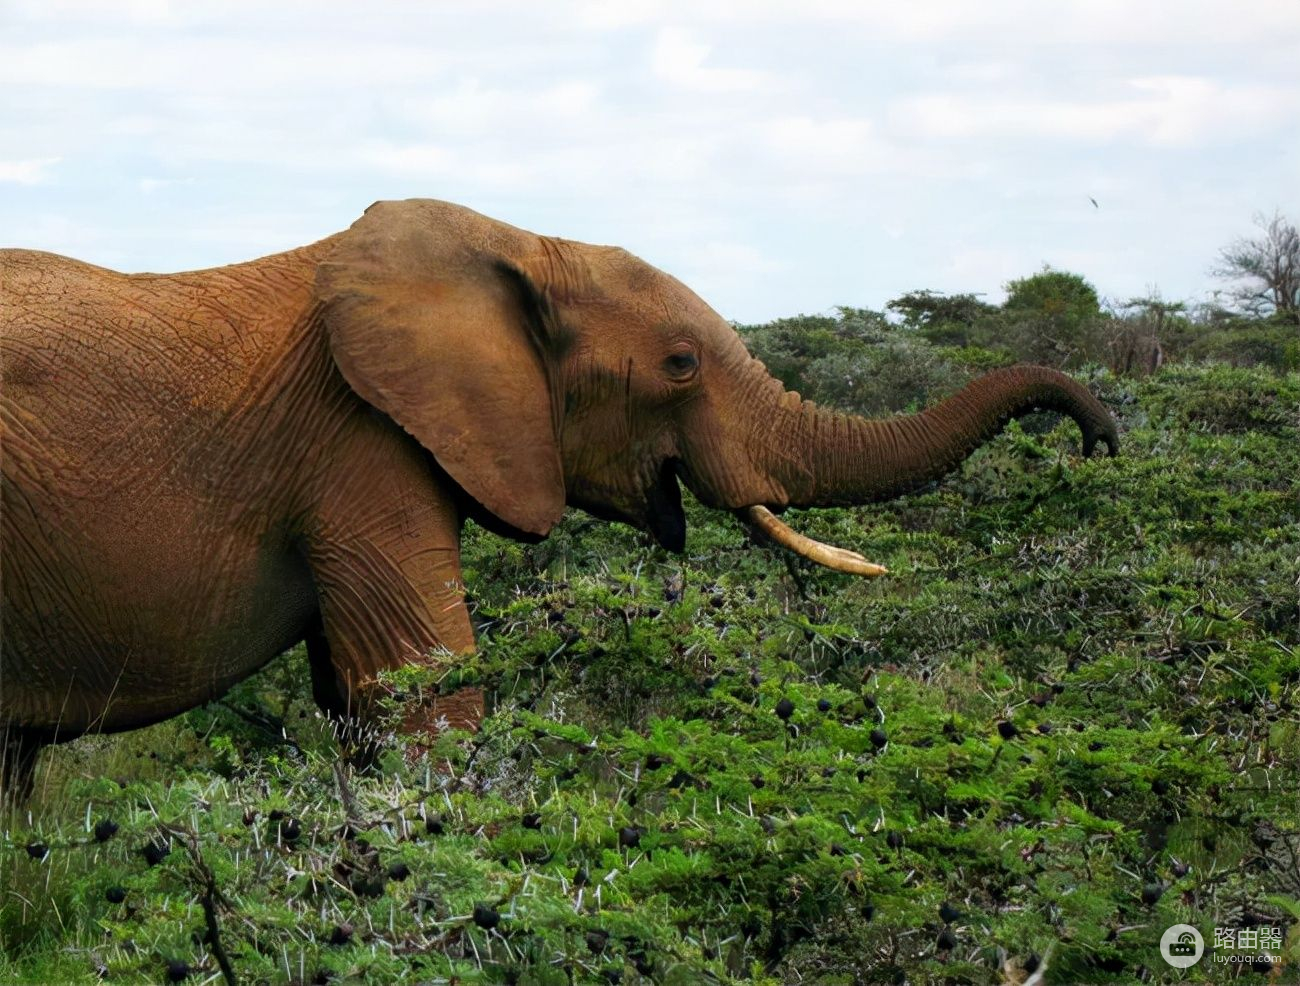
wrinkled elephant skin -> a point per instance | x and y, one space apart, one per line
202 469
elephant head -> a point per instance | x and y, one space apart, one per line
542 371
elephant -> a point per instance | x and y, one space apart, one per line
203 469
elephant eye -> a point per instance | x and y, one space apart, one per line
682 365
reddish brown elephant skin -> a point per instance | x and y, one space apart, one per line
200 470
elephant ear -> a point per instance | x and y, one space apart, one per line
430 320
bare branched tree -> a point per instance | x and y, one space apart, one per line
1265 269
1135 344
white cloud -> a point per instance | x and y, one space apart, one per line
216 65
151 185
722 257
677 57
89 10
1022 23
819 145
33 171
989 268
1155 110
428 159
721 270
709 136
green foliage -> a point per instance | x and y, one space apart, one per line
1080 679
1266 343
1052 318
856 361
944 320
1056 296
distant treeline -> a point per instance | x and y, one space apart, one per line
926 344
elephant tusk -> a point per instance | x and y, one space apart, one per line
839 559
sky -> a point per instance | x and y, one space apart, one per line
779 158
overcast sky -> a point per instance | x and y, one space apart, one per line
778 158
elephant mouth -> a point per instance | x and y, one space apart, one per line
665 518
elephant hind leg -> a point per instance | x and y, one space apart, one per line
18 752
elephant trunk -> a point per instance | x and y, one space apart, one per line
851 460
823 458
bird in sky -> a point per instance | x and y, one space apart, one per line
1094 202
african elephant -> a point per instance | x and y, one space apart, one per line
202 469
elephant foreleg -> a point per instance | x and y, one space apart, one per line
461 709
384 551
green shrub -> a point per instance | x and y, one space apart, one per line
1079 681
1275 346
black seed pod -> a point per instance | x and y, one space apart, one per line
115 895
784 709
486 916
37 850
341 935
879 738
629 837
105 830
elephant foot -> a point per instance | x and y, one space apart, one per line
462 709
363 740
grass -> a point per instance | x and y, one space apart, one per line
1068 718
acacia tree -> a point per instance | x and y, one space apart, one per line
1053 318
943 319
1265 270
1137 338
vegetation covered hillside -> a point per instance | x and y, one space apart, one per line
1066 720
